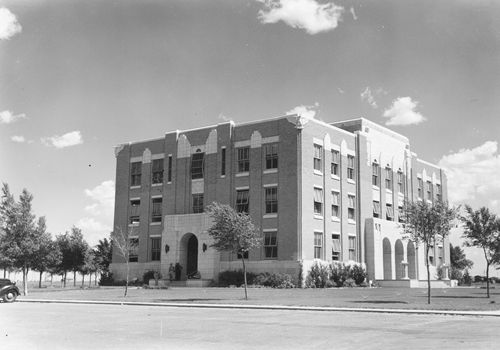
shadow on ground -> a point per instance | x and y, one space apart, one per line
379 302
184 300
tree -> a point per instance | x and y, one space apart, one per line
482 230
47 256
125 247
21 238
233 232
63 242
78 249
103 254
458 263
427 224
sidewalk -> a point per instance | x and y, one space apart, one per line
494 313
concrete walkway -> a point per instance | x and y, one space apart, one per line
494 313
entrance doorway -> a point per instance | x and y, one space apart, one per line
192 255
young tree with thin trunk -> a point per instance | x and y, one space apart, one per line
78 247
427 224
125 247
48 255
63 242
482 230
103 254
233 232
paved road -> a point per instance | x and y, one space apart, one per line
67 326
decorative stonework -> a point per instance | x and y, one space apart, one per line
256 140
118 149
146 156
299 121
211 144
183 147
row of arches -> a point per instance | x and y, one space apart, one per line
405 264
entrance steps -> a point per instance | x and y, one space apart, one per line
416 283
194 283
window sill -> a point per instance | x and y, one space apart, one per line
155 223
270 215
351 222
134 187
242 174
157 185
197 180
388 190
169 183
335 177
351 181
223 176
271 258
335 219
133 225
317 172
270 171
318 217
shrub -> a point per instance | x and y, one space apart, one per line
349 283
317 276
357 273
106 279
232 277
339 273
300 280
149 275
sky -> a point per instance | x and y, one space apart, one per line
79 77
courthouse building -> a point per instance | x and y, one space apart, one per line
317 191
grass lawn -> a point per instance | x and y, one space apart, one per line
393 298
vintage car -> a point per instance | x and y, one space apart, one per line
8 290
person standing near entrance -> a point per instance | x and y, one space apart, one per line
171 272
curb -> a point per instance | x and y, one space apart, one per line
269 307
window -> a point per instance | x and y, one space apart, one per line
388 178
169 174
198 203
135 172
134 247
401 215
376 209
389 212
401 186
242 256
155 249
429 190
420 185
156 214
438 192
242 201
352 248
318 245
197 161
270 245
318 156
243 159
223 162
157 171
431 254
318 201
350 167
335 204
336 248
351 209
135 202
271 156
271 200
440 255
375 174
335 162
134 220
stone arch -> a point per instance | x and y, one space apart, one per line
188 254
399 256
387 258
211 143
412 270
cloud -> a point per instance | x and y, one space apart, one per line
305 111
367 96
9 26
72 138
473 176
18 139
99 220
309 15
402 112
224 118
351 10
7 117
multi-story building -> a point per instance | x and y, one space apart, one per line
316 190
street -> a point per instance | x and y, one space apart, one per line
68 326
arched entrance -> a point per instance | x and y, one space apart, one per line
412 271
188 254
399 256
386 244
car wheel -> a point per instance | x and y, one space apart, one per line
10 297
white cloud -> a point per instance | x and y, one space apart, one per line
103 196
353 13
367 96
224 118
402 112
7 117
93 229
305 111
309 15
9 26
473 176
18 139
69 139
